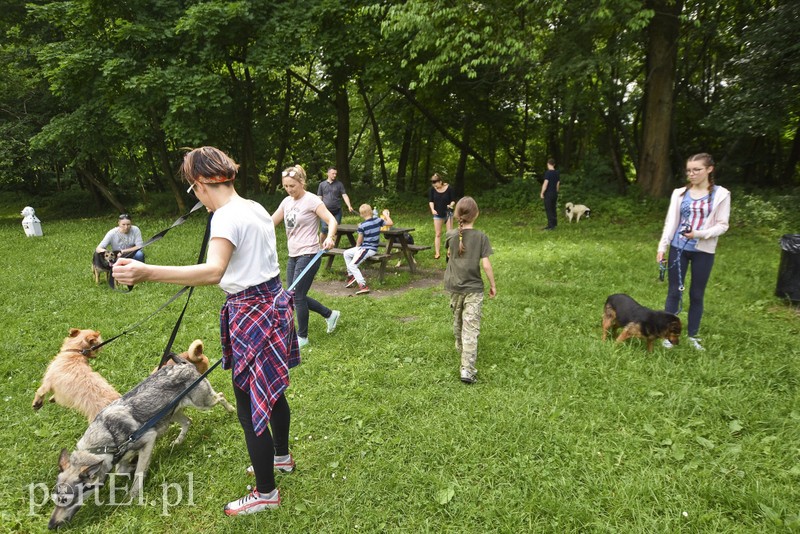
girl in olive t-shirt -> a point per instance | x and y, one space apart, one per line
468 250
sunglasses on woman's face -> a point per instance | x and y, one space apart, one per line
435 181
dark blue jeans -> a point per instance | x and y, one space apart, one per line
337 214
302 302
550 202
701 264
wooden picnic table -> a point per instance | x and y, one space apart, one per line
395 238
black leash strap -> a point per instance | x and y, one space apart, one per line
172 299
179 221
131 328
200 257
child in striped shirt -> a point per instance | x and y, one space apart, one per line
369 233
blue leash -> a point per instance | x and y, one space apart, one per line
316 257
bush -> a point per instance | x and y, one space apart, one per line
517 195
777 211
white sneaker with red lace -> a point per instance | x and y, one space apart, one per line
254 502
284 464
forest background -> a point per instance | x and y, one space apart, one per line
98 100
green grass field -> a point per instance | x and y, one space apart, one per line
562 433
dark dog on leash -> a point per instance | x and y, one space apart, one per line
621 311
103 262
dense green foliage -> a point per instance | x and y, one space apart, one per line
102 97
562 433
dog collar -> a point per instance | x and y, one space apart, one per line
103 450
85 352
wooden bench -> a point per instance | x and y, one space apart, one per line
375 258
413 249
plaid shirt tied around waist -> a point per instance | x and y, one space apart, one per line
260 345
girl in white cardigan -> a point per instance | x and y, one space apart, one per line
698 214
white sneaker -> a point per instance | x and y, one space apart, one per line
467 377
253 502
667 344
695 343
332 320
284 464
302 341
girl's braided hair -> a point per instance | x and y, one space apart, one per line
466 212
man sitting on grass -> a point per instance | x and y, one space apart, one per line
369 233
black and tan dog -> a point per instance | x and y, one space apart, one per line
102 262
621 311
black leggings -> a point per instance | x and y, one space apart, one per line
701 263
261 448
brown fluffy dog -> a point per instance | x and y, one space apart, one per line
194 356
621 311
70 378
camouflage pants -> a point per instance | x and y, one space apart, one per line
466 309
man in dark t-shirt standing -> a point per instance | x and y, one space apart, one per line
549 194
332 192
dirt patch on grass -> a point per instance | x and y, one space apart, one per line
421 279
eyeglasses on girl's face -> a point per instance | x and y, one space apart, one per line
695 170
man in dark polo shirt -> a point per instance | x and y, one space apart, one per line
332 192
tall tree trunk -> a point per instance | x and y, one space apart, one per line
283 147
342 132
250 171
450 137
523 152
405 151
166 170
655 171
376 133
416 155
462 159
91 175
555 125
613 134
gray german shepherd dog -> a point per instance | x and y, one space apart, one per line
84 471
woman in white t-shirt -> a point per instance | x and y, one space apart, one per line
301 212
257 327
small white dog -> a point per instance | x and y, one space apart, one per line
577 209
28 211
